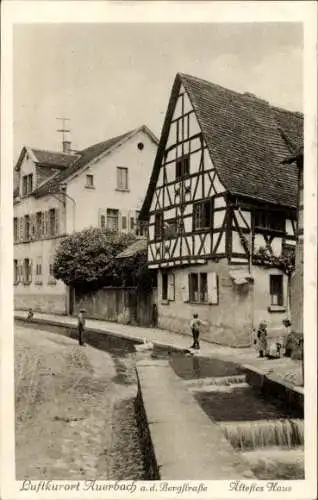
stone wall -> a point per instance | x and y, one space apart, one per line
123 305
48 303
188 448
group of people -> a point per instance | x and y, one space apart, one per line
266 349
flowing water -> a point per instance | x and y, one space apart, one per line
268 434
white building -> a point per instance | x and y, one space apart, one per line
59 193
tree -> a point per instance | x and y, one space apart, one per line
134 272
83 259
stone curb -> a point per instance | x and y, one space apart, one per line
276 386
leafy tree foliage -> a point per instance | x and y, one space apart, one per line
133 272
285 261
84 259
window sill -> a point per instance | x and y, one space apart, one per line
164 302
15 283
25 283
277 309
38 283
89 187
122 190
201 303
51 282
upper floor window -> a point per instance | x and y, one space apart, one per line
27 232
269 221
89 180
182 167
39 224
15 271
202 215
15 230
122 178
112 219
27 184
158 226
52 222
171 228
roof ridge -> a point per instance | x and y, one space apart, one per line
241 94
52 151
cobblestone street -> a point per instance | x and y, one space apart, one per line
74 414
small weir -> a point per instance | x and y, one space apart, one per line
269 435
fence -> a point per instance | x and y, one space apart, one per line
122 305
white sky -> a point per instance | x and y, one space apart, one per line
110 78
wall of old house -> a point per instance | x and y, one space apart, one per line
90 203
239 308
43 293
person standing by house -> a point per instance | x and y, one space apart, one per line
81 327
195 329
262 339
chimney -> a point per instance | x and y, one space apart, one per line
66 146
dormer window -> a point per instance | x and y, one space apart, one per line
27 184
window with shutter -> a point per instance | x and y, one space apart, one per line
184 286
171 286
213 288
164 294
15 272
21 229
46 224
276 289
57 222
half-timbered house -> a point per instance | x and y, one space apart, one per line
218 197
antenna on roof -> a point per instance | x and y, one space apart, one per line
66 144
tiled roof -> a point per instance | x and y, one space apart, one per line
86 156
52 158
136 247
247 139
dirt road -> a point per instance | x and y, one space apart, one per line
74 415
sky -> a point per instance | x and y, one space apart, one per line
110 78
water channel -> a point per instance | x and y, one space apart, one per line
268 434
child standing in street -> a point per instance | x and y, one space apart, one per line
81 326
195 329
262 339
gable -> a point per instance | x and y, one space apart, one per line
246 137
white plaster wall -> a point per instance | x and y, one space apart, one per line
104 195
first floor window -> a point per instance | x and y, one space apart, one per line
15 230
27 228
27 271
103 221
132 224
38 267
52 221
112 219
124 222
39 224
164 286
203 288
15 271
276 289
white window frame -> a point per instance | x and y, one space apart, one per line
122 178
